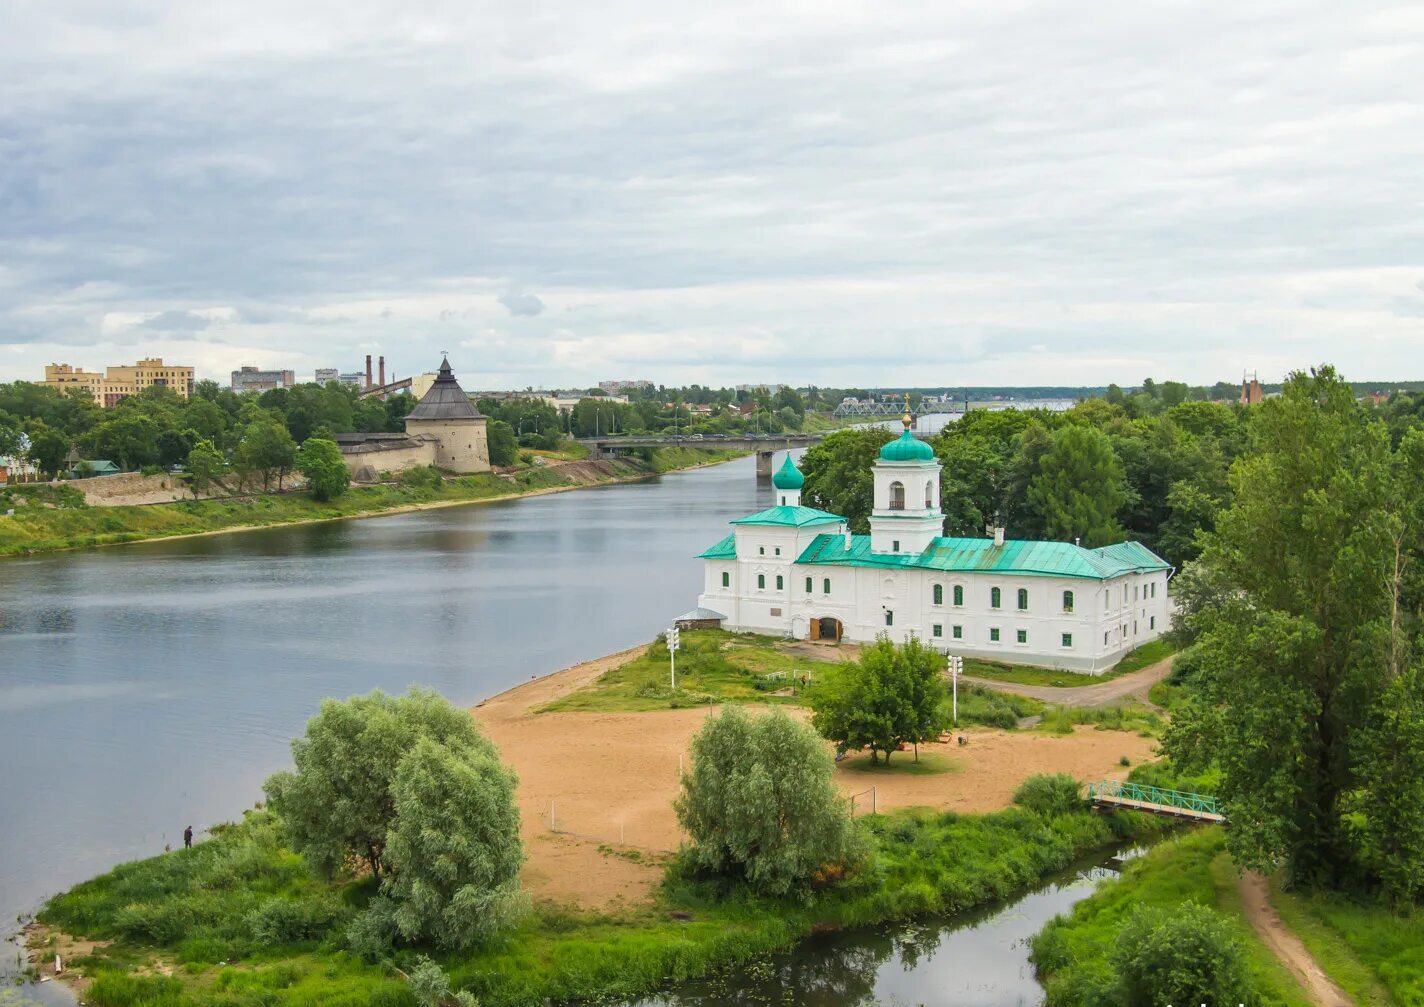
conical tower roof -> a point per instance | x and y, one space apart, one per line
446 400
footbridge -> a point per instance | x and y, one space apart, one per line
764 446
1155 800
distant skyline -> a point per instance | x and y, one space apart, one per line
843 194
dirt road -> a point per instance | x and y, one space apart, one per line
1256 901
1134 685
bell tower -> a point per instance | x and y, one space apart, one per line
906 518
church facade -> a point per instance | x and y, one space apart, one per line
796 571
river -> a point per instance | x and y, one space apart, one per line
147 687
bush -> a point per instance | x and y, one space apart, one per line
759 804
1183 955
320 461
1049 794
423 477
288 921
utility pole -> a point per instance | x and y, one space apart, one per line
674 639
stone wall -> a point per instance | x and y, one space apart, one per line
391 459
463 444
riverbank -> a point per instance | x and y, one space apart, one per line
178 929
37 530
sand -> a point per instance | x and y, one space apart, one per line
609 780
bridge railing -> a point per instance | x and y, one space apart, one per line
1122 791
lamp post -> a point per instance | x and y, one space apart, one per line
674 639
955 667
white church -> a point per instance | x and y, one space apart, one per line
797 571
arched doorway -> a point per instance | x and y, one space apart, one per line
827 629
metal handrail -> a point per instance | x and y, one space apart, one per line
1123 791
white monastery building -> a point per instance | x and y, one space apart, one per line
797 571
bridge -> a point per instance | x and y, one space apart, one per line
764 446
1156 801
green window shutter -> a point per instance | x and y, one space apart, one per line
994 634
826 586
779 583
939 594
1067 639
958 632
761 581
1067 601
726 579
808 585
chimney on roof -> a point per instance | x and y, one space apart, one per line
998 535
368 370
383 371
846 530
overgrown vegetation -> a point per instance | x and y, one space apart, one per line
220 912
1116 948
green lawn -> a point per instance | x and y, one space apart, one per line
713 666
1072 951
240 921
1373 954
901 764
1148 653
1123 716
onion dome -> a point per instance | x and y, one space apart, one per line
788 477
907 448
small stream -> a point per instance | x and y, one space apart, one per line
977 959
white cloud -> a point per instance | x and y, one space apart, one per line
846 194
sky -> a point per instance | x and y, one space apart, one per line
845 194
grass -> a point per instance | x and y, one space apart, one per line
240 922
978 705
713 666
1374 954
38 529
1133 717
903 764
1148 653
1071 953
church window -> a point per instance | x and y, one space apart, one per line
779 582
1105 637
808 585
993 634
1152 624
1134 627
895 545
1154 589
726 579
1022 636
761 582
1067 601
889 617
783 499
1023 599
938 630
958 632
897 495
929 495
1067 639
826 586
778 550
995 597
958 595
761 550
939 594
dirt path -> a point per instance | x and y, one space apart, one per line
1134 685
610 780
1256 901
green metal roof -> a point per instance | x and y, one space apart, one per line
907 448
980 555
725 549
788 477
792 517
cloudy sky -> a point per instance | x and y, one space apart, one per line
888 194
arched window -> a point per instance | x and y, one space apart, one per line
761 582
1067 601
826 586
929 494
995 597
779 582
808 585
959 595
1023 599
939 594
897 496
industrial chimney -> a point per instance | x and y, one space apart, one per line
383 372
368 370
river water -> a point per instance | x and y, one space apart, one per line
151 686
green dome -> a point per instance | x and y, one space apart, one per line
788 477
907 448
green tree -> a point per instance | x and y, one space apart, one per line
10 434
1303 608
1184 955
205 466
839 477
1388 807
267 448
174 446
759 804
337 808
503 447
454 848
320 461
1079 487
129 438
49 450
894 695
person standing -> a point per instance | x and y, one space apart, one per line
188 838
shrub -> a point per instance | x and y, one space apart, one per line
287 921
422 477
1183 955
320 461
1049 794
759 804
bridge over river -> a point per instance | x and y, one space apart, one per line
764 446
1156 800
